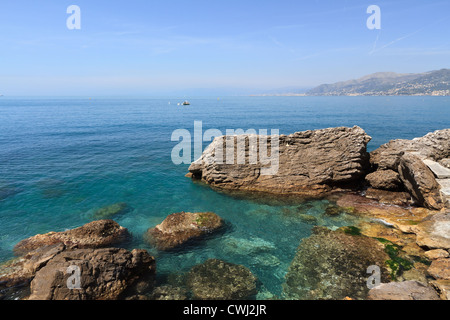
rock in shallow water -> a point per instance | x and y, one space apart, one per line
310 163
219 280
252 246
110 211
179 228
406 158
92 235
333 265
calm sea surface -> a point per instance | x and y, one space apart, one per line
63 158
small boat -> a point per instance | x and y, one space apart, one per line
186 103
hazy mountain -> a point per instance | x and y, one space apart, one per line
389 83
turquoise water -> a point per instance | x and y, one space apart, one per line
63 158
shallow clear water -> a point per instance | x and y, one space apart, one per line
63 158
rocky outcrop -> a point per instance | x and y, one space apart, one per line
435 145
308 163
47 263
179 228
333 265
96 234
220 280
16 274
104 274
409 158
408 290
420 182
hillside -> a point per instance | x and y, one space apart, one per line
389 83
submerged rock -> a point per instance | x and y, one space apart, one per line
179 228
219 280
252 246
310 163
168 292
7 191
52 188
105 274
96 234
408 290
110 211
333 265
309 219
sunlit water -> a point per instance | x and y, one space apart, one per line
61 159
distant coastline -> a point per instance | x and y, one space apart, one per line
432 83
445 93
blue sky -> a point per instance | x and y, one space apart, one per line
138 47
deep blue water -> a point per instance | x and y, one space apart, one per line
63 158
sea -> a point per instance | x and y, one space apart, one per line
63 158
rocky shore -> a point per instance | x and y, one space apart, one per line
404 184
401 189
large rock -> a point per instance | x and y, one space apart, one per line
96 234
220 280
333 265
435 145
310 163
420 182
179 228
408 290
406 158
16 274
105 274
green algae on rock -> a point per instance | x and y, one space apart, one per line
219 280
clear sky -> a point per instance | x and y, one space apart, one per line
140 47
